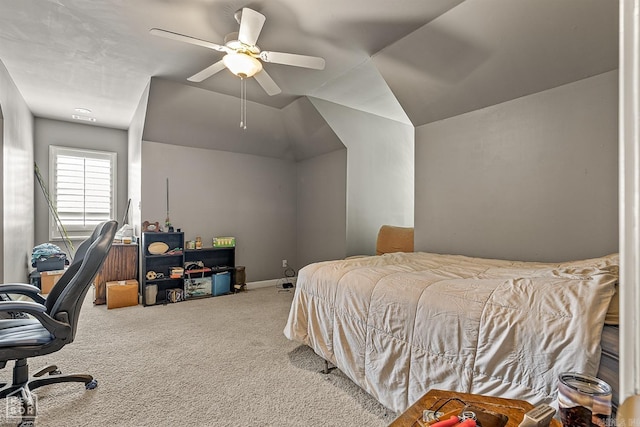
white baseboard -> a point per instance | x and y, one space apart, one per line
268 283
262 284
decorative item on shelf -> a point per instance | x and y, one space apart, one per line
175 295
167 221
176 272
158 248
198 242
195 267
174 251
190 244
154 275
224 242
150 226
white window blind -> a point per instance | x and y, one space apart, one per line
83 190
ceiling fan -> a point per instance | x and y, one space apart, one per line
242 56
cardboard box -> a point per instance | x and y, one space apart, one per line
122 293
48 279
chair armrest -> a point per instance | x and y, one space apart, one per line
30 291
24 306
39 311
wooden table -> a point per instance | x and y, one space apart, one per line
514 409
121 264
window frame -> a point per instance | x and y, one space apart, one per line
79 233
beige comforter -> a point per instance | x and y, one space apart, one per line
401 324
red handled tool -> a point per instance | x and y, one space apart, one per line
447 423
455 421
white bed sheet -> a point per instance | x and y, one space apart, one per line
401 324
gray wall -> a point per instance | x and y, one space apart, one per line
182 114
53 132
321 208
219 193
380 172
17 181
534 178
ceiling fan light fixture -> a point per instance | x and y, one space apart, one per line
241 64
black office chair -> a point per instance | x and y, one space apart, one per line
8 289
53 323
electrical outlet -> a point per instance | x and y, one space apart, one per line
284 263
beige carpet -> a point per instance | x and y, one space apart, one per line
220 361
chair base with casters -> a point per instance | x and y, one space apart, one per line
23 384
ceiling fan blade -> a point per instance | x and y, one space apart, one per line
187 39
267 83
207 72
305 61
251 23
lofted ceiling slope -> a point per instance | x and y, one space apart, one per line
482 53
412 61
185 115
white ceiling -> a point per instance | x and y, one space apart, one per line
414 61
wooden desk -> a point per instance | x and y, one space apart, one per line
514 409
121 264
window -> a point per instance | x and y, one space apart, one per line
82 188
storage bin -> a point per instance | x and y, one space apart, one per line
150 294
197 287
221 283
52 263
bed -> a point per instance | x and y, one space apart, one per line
401 324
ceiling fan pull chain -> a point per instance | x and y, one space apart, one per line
243 103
